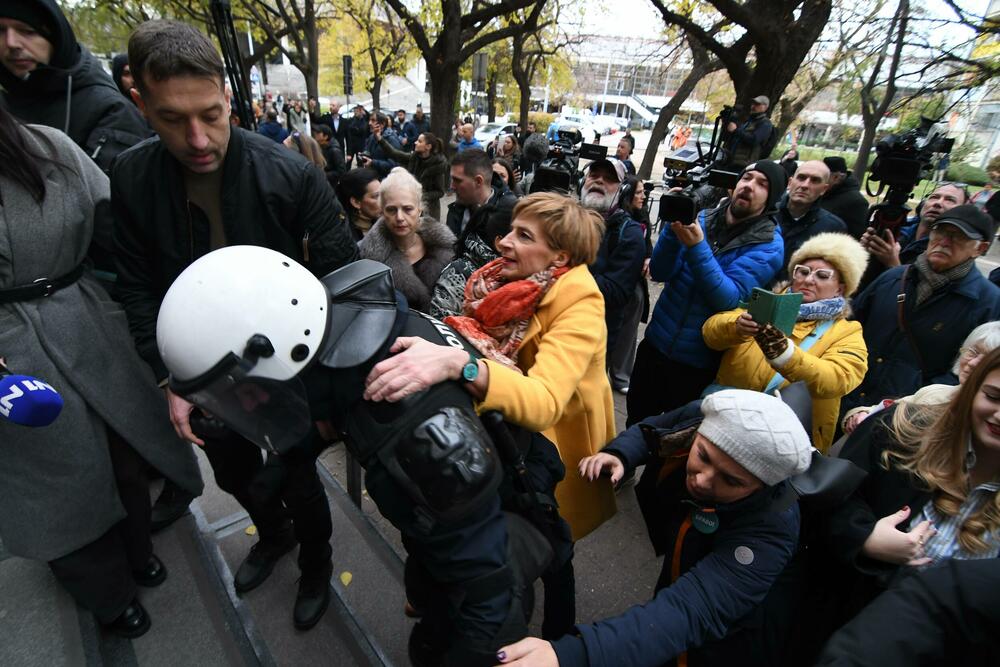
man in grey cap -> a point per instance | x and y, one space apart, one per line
754 139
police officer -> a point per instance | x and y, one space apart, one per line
253 338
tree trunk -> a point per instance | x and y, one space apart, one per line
444 94
667 113
491 99
311 35
524 106
376 92
864 151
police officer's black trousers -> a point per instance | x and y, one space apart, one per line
283 488
98 575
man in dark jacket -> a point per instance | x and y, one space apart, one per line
753 139
336 165
376 158
416 126
708 266
479 194
915 317
715 499
357 133
844 198
199 186
337 124
50 79
945 615
799 215
271 128
618 267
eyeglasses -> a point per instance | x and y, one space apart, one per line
971 352
802 271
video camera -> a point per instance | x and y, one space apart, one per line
901 162
697 172
559 171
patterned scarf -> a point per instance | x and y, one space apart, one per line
931 281
497 313
823 309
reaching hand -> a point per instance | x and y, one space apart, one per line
889 544
529 652
180 417
594 466
416 364
854 421
884 248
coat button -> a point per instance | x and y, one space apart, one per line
862 394
879 360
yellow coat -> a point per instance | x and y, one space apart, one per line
831 368
563 392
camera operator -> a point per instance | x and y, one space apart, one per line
751 140
889 251
618 267
844 198
374 157
709 265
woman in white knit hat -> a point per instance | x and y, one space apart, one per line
826 350
716 502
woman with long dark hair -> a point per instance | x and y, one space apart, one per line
358 194
428 165
74 494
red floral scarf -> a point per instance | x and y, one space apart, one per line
497 313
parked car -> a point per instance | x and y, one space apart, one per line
488 133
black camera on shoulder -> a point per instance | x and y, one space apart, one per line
560 170
901 162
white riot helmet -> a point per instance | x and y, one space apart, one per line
235 330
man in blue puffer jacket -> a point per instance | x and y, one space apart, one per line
708 267
716 501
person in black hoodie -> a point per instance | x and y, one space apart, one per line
50 79
844 198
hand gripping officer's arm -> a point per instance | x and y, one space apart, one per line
252 338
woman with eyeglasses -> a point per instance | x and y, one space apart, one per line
825 350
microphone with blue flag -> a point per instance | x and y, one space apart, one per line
26 400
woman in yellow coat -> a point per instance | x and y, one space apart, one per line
825 350
537 317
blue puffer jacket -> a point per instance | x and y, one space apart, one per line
704 280
724 575
938 326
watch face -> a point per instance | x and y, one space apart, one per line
470 371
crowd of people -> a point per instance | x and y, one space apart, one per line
840 465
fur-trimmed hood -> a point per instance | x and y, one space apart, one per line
846 255
414 281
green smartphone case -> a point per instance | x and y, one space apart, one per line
781 310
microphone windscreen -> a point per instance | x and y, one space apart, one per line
536 148
28 401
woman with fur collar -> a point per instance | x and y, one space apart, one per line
825 350
416 248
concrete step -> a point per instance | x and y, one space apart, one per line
197 618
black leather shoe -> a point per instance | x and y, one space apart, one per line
257 566
170 505
131 623
154 574
313 598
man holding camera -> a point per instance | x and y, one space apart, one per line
709 264
752 139
374 157
890 249
618 267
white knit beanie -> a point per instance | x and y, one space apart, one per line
758 431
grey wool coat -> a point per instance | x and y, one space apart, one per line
415 281
57 487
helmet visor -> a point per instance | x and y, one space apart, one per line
272 414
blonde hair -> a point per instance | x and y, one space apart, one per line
567 224
400 179
933 443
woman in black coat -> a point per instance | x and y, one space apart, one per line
428 165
